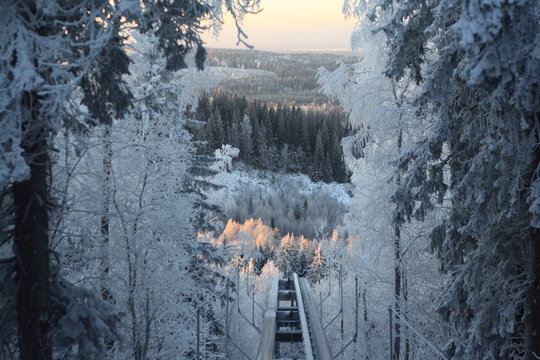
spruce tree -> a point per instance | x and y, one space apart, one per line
246 139
318 268
317 171
214 130
49 52
260 151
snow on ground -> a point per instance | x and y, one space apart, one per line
216 74
226 73
193 82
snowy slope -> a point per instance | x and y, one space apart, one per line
237 180
288 202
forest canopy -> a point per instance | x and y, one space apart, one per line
274 136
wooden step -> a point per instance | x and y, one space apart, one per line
294 335
288 315
286 295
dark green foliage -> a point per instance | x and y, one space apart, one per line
195 183
103 86
177 25
275 137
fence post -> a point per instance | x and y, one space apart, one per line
355 308
227 319
341 298
198 333
391 325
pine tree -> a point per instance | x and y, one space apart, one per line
336 159
288 255
318 268
246 139
317 171
214 130
234 134
204 109
282 127
49 52
285 158
270 129
40 69
305 256
327 172
260 149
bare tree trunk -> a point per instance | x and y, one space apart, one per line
105 219
405 310
31 247
367 327
533 323
364 302
397 291
105 261
397 264
148 316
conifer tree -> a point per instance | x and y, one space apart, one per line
317 173
49 52
260 149
477 66
317 268
262 138
246 142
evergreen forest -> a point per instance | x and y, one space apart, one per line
279 137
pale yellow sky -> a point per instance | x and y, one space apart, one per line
292 25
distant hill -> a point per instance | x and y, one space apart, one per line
295 74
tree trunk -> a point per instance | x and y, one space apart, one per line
31 248
398 261
404 308
105 218
105 261
533 323
397 292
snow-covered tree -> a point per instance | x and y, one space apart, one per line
288 255
225 156
55 57
380 110
47 49
477 62
318 269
